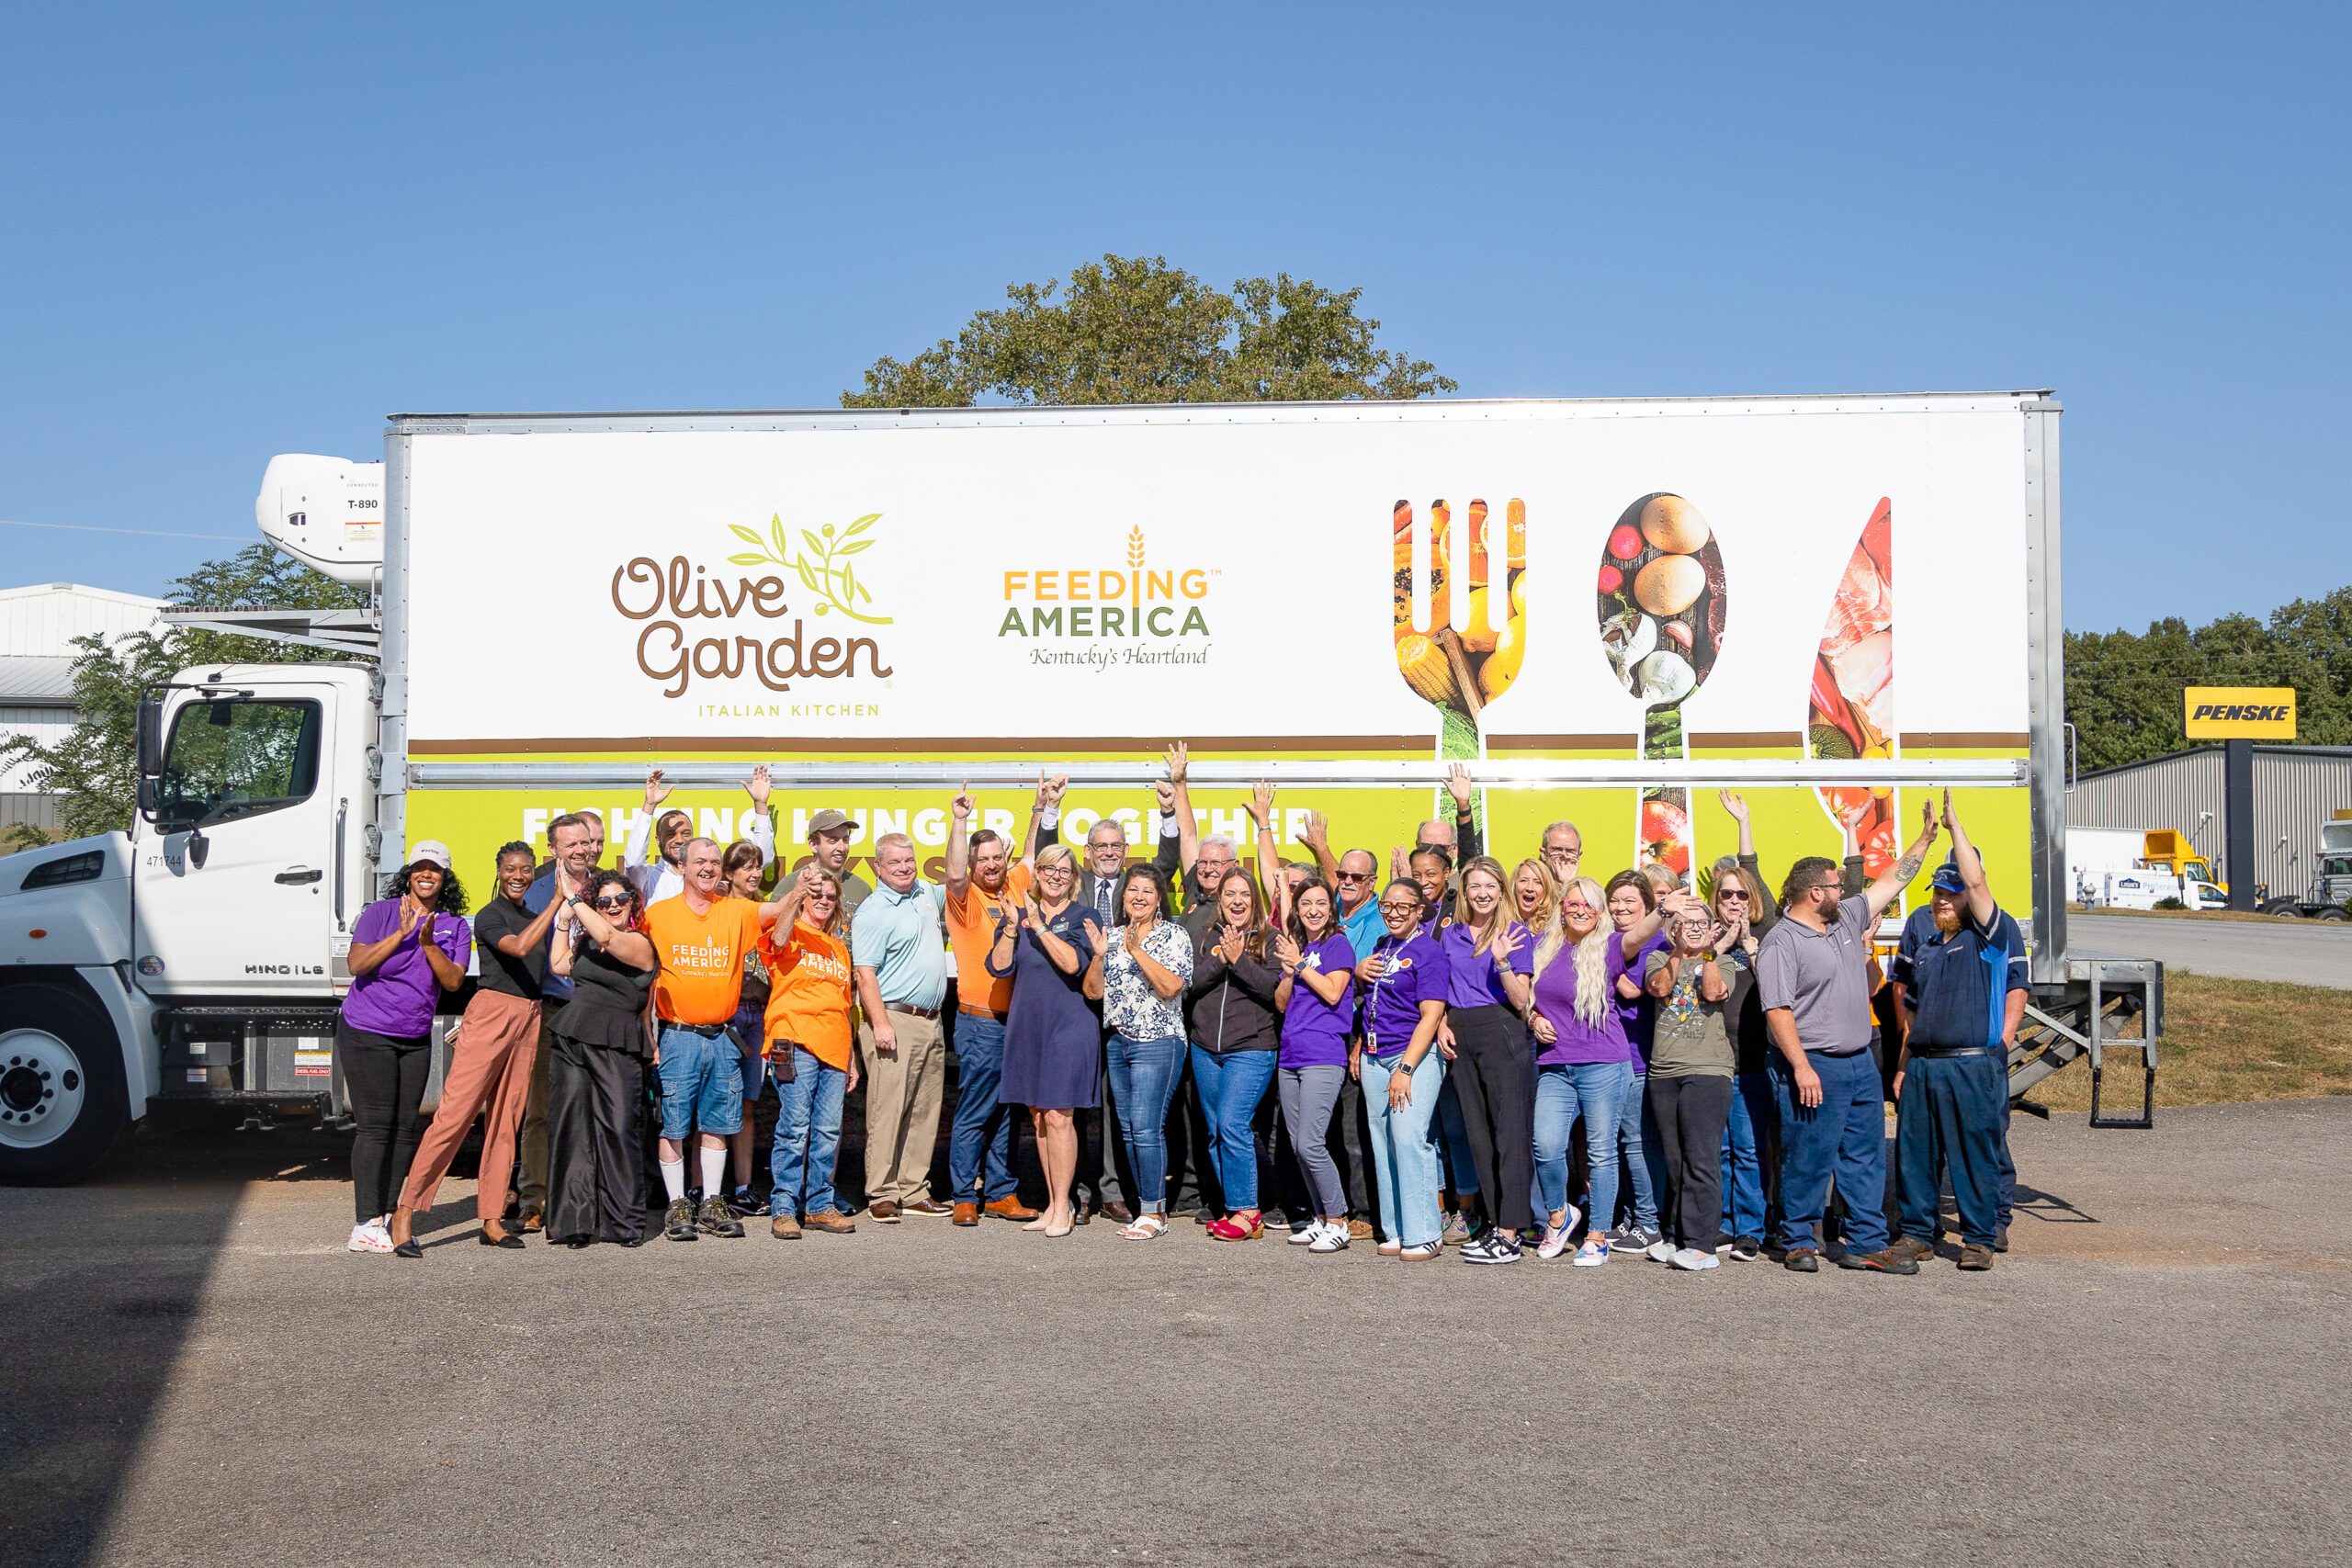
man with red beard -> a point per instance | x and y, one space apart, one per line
1960 987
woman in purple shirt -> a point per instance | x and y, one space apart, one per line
1316 998
405 950
1400 1067
1487 956
1583 1061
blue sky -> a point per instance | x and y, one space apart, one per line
227 232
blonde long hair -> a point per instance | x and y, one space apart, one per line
1590 956
1543 919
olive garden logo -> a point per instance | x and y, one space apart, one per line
668 597
1091 602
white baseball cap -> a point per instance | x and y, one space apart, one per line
432 850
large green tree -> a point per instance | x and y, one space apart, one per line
1135 329
94 767
2123 689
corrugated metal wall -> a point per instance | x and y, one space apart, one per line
2295 790
46 620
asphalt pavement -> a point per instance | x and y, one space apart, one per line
197 1372
2303 953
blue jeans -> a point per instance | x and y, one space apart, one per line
981 1142
1143 1076
1454 1136
1641 1164
1404 1159
807 1138
1950 1118
702 1082
1844 1135
1231 1087
1751 1112
1597 1090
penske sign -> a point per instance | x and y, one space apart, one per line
2238 713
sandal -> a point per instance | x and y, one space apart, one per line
1146 1228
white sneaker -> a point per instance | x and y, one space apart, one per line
1593 1253
1659 1252
1303 1236
1691 1257
1327 1238
371 1236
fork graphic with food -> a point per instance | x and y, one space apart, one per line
1459 670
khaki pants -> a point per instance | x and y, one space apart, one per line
532 1143
490 1075
902 1094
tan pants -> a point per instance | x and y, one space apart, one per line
902 1094
490 1073
533 1185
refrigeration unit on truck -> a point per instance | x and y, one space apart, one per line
1607 610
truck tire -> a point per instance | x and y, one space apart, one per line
62 1101
2285 908
2330 912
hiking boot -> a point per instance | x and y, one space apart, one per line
830 1220
783 1228
1912 1248
1975 1256
1886 1260
678 1221
1801 1260
717 1219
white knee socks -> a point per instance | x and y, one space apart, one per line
714 1171
674 1178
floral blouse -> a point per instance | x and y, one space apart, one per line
1129 1004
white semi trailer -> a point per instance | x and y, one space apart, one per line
1825 602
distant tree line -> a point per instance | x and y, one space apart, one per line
2123 688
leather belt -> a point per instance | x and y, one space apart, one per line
980 1012
910 1011
1946 1053
707 1031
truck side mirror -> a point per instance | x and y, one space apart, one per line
151 797
150 742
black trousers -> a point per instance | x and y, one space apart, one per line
1689 1114
1493 1074
384 1076
595 1144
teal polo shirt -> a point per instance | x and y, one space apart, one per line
902 938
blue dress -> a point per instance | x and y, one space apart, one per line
1053 1045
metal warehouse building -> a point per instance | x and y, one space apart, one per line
2296 788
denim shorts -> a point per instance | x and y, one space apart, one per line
702 1082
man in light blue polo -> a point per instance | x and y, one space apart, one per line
898 956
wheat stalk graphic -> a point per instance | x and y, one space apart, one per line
833 577
1135 567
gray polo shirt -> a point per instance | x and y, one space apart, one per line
1822 978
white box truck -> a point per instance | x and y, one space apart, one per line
1606 609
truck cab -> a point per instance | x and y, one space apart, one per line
198 957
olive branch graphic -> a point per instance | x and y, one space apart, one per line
833 578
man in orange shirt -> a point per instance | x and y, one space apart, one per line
984 885
701 936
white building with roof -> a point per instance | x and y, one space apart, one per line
38 626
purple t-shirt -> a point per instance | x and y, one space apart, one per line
1474 982
1411 972
1555 998
1639 1016
397 997
1315 1032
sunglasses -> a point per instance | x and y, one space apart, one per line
1728 894
618 901
1355 876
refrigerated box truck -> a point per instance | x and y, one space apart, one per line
1606 609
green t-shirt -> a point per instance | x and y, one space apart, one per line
1692 1038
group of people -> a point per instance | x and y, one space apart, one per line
1501 1060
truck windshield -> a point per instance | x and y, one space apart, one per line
234 758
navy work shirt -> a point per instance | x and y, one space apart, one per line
1957 988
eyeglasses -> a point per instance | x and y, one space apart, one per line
1556 852
1728 894
1355 876
616 901
1397 907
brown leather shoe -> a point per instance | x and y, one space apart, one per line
783 1228
1976 1256
1358 1230
1118 1213
1009 1209
831 1220
533 1220
885 1211
967 1213
1912 1248
930 1208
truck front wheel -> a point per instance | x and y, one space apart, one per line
63 1102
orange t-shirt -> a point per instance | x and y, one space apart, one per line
971 927
702 957
809 993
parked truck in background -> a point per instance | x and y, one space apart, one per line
889 604
2134 868
2328 896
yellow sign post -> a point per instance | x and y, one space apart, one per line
2238 713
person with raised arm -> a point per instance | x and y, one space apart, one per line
1053 1045
983 874
1317 999
604 1042
662 875
1813 976
1744 907
1961 987
806 1026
